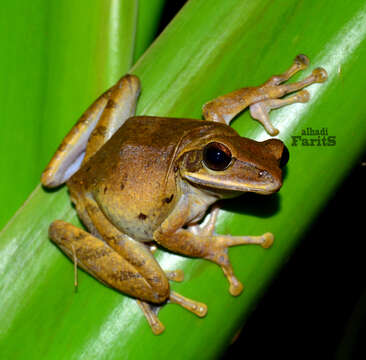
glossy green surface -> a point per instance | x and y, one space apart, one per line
238 43
58 56
149 15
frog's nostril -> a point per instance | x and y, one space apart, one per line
284 157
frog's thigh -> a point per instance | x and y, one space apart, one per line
107 265
134 252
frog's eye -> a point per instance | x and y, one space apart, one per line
216 156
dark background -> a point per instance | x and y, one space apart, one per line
316 306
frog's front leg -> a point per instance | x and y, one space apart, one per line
262 99
200 241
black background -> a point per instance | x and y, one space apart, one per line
316 306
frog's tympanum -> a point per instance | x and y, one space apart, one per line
137 179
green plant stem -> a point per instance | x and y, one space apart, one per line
210 48
59 56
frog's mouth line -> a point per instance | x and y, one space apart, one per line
264 189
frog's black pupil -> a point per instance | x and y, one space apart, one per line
216 156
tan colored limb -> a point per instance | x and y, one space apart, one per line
104 263
151 311
132 251
75 259
121 106
212 247
198 308
301 62
71 151
93 129
207 228
151 316
260 110
226 107
175 275
200 241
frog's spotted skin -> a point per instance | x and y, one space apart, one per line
137 179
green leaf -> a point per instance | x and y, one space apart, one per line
59 57
209 49
149 14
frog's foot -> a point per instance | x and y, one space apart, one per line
260 110
151 310
218 253
274 91
262 99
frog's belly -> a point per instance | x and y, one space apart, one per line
137 214
139 224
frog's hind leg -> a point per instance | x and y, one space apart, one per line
140 276
262 99
92 130
140 256
151 310
108 266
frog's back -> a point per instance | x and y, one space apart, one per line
132 177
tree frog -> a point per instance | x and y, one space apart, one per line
137 179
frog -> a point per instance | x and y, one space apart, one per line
135 180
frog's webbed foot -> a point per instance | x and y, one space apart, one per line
201 241
218 253
260 110
262 99
151 310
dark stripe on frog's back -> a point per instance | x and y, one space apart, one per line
126 175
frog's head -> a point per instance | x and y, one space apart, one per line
224 162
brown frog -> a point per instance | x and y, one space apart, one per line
137 179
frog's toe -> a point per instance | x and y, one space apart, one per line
196 307
151 315
268 239
175 275
320 75
236 287
302 59
151 310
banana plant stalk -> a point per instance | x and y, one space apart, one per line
209 49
